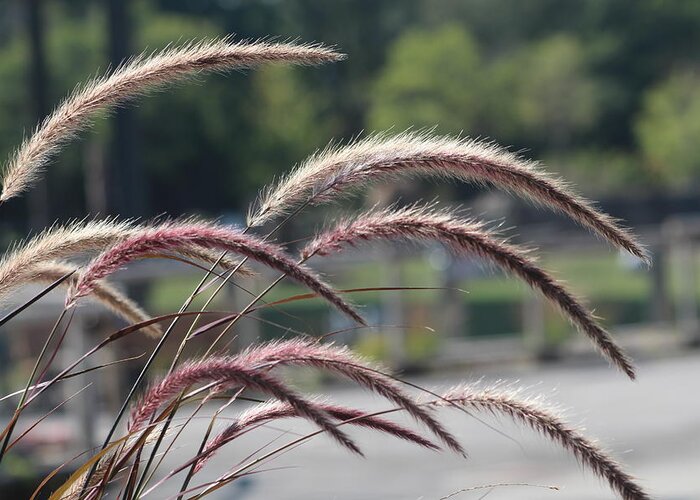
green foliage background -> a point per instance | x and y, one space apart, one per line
606 92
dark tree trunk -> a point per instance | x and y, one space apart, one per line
39 209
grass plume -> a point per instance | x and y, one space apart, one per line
341 361
231 371
421 223
337 171
57 243
171 236
133 79
546 420
75 239
274 410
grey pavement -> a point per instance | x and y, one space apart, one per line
652 425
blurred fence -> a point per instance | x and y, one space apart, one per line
478 317
435 310
427 311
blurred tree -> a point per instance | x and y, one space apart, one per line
669 126
603 172
648 38
566 80
15 118
71 55
629 43
430 78
363 29
291 121
15 114
39 196
10 20
123 179
245 18
544 94
190 127
502 25
75 41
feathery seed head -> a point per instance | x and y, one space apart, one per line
343 362
58 243
135 78
231 371
337 171
174 236
418 223
546 420
18 265
273 410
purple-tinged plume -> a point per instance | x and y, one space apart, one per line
341 361
231 371
546 420
467 237
171 237
274 410
338 171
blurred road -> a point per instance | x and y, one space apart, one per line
652 425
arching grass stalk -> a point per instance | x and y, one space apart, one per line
495 400
205 439
252 303
149 362
466 237
186 338
134 78
187 303
336 172
143 479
